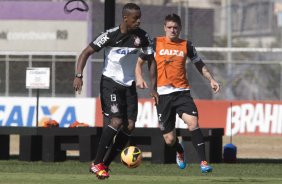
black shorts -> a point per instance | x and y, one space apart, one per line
171 104
118 100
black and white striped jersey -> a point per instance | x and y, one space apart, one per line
121 52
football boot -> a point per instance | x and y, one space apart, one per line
180 159
100 170
205 168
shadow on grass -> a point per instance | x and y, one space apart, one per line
259 160
239 160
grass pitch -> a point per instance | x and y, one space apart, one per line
75 172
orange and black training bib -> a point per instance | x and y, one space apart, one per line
171 59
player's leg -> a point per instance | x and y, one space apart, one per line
166 114
110 97
120 142
98 167
172 141
124 134
187 110
106 139
197 140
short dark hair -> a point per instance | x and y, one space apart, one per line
174 18
129 6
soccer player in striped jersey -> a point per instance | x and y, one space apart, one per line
123 44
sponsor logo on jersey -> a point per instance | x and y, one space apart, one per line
201 144
168 52
102 41
126 51
119 41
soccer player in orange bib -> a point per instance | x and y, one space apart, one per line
173 88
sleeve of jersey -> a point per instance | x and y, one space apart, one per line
100 41
192 53
145 55
148 47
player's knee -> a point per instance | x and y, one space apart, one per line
169 139
191 121
116 122
193 126
130 127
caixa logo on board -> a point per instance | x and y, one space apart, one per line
25 116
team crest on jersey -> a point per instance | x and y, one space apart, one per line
114 108
137 41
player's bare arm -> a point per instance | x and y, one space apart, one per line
140 82
82 59
202 68
153 78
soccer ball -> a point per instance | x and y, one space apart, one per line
131 157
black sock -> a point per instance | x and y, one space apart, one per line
199 143
120 142
177 146
105 140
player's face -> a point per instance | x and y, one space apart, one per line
132 20
172 30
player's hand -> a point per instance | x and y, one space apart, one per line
154 94
215 86
77 84
141 83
